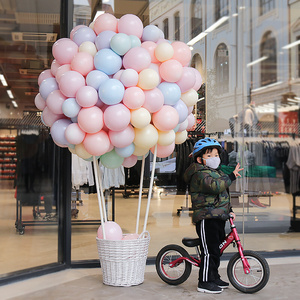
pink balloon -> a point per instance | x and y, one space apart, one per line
134 97
39 102
74 135
105 22
137 58
49 117
112 231
129 161
198 81
166 118
90 119
129 77
117 117
187 79
155 67
131 25
118 74
83 63
70 82
150 47
123 138
55 101
132 236
191 121
74 30
45 74
182 52
154 100
87 96
170 70
61 70
164 151
54 67
64 50
97 143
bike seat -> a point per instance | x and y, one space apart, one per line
191 242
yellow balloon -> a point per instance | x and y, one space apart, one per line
190 97
145 137
148 79
164 51
140 151
166 138
72 150
140 118
88 47
181 137
81 151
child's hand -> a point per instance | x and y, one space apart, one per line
237 170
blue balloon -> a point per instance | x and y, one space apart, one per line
111 91
135 41
71 108
95 78
107 61
120 43
171 92
126 151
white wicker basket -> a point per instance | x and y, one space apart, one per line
123 262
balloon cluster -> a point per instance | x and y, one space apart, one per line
116 89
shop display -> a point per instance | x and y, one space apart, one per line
8 157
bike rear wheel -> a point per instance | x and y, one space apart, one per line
256 279
180 272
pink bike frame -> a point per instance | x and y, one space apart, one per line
230 238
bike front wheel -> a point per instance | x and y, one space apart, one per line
256 279
177 274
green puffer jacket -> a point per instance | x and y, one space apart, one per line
209 191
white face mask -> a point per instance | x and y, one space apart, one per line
213 162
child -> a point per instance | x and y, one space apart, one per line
210 202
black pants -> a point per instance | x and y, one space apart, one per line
211 233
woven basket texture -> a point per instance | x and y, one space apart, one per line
123 262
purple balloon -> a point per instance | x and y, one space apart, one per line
58 132
47 86
103 39
182 110
84 34
95 78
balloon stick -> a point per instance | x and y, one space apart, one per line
140 195
150 188
96 168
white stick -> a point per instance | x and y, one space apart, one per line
150 188
140 195
98 195
101 194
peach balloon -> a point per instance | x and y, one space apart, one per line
154 100
166 138
164 151
181 137
129 161
61 70
170 70
83 63
131 25
74 135
164 51
145 137
140 117
97 143
182 52
166 118
54 67
148 79
150 47
190 97
134 97
82 152
105 22
90 119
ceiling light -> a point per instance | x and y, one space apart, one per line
2 79
10 94
14 103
